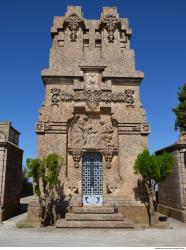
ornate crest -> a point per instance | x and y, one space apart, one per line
73 22
110 23
92 80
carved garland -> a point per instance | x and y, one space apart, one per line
110 23
92 97
73 22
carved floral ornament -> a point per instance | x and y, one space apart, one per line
110 22
73 22
92 97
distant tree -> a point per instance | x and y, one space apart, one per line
180 110
45 174
154 169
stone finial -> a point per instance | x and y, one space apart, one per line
109 11
74 10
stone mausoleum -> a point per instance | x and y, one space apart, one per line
93 117
10 171
172 192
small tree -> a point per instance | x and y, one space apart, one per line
180 110
45 173
154 169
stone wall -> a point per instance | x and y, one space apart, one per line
10 171
172 192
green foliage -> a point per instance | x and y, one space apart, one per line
153 167
46 169
45 174
180 110
165 164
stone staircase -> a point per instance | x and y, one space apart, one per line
94 217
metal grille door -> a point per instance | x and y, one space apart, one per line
92 179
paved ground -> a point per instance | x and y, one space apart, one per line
11 236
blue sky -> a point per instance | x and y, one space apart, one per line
159 41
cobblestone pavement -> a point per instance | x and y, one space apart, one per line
10 235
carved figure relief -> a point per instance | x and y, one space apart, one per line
110 23
91 133
106 134
79 131
73 22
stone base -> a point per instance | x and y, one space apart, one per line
137 214
34 211
94 224
94 217
177 214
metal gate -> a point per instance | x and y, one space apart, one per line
92 179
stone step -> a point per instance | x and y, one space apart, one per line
94 217
94 224
93 210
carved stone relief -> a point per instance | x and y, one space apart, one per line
92 80
92 97
87 133
108 154
73 22
110 23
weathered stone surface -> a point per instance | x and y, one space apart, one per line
10 170
172 192
92 108
94 217
91 210
94 224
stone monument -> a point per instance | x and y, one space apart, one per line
10 170
92 115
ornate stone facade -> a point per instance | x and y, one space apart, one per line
92 108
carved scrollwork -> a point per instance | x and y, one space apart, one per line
92 97
110 23
73 22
